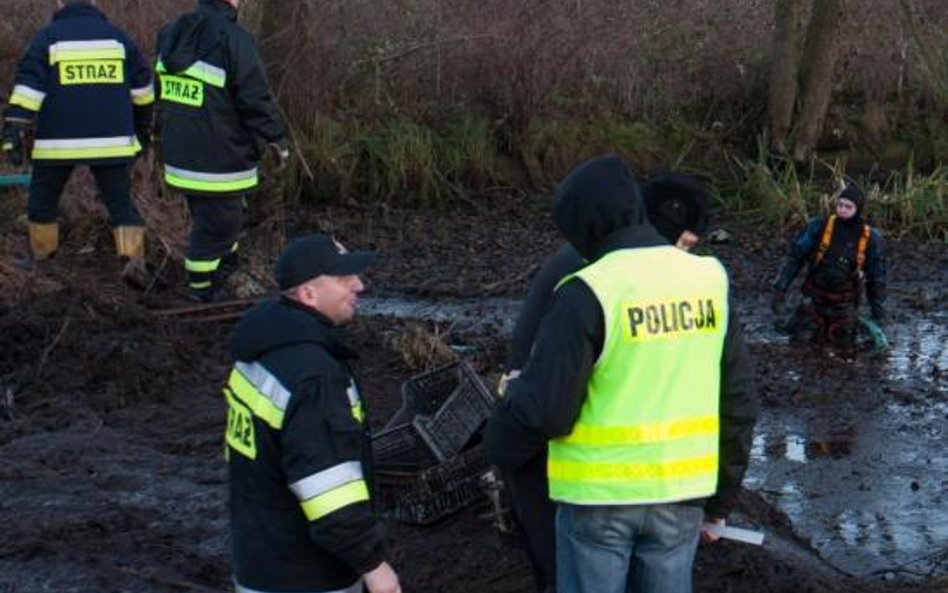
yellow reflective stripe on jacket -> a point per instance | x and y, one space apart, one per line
652 432
144 95
27 97
95 49
206 73
260 391
210 182
588 471
324 504
200 266
355 402
85 148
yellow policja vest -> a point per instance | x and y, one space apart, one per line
648 429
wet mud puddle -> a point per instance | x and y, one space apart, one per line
861 473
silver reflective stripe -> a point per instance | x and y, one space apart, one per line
199 176
352 392
86 142
66 47
209 70
326 480
265 383
355 587
22 89
143 91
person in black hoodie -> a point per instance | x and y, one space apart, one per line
678 207
843 254
639 371
216 115
298 444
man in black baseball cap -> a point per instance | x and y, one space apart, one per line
318 272
298 442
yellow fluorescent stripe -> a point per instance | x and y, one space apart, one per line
653 432
98 152
609 472
337 498
200 285
256 401
211 186
25 102
193 265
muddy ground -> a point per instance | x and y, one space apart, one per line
111 475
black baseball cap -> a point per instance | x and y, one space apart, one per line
309 256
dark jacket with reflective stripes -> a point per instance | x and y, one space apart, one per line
297 522
87 88
836 270
215 110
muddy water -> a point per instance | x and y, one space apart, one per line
860 470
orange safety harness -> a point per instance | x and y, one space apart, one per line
828 238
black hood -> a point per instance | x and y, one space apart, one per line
276 324
598 198
194 35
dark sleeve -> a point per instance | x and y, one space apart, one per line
539 299
30 86
801 250
322 453
738 409
258 112
876 275
544 402
141 83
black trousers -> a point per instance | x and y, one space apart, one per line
216 222
528 489
114 182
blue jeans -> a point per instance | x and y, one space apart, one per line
626 548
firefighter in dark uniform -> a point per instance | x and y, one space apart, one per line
639 384
843 254
87 91
216 116
297 438
677 205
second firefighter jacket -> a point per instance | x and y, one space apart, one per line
215 109
299 452
86 87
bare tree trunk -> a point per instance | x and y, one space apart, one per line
784 68
278 22
819 60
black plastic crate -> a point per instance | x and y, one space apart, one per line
401 448
425 497
463 412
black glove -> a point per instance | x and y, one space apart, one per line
280 154
13 144
778 302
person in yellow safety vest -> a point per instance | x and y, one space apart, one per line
216 118
641 387
87 91
677 205
843 254
298 443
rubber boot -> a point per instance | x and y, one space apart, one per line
44 241
130 246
